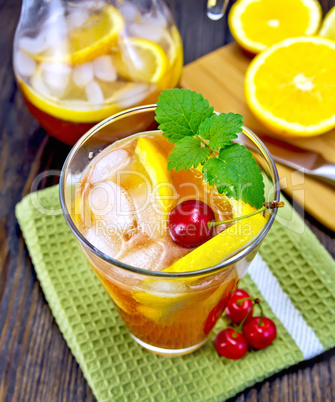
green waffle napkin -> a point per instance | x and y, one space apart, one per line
293 273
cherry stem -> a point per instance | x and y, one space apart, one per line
239 328
240 301
262 312
266 205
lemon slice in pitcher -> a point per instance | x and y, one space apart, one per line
141 60
75 109
58 95
95 37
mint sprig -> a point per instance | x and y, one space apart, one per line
221 129
188 152
236 173
204 138
180 113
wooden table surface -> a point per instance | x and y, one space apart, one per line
35 362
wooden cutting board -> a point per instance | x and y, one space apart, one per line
219 76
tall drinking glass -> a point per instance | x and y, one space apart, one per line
169 314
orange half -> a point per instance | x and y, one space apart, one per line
290 86
257 24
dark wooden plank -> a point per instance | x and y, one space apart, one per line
35 363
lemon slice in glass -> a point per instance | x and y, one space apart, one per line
155 164
225 244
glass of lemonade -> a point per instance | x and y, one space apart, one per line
115 197
78 62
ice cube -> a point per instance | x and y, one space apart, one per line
77 17
113 206
39 86
82 74
150 219
24 64
56 68
94 5
104 69
132 94
102 199
108 165
110 244
169 287
152 222
94 94
145 31
148 257
129 11
34 45
54 29
52 32
56 76
155 18
54 17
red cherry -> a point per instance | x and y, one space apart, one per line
231 344
237 312
260 336
188 223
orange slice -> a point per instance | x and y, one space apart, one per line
257 24
290 86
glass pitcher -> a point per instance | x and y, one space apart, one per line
78 62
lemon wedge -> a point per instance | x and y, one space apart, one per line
155 164
224 244
95 37
159 304
141 60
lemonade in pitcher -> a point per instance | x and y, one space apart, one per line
167 243
79 62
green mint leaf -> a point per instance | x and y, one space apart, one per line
236 173
187 152
221 129
180 113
